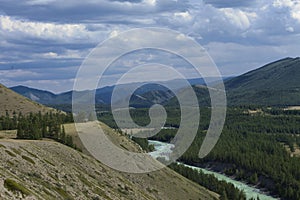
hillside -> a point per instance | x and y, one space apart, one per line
49 170
201 92
45 169
11 101
277 83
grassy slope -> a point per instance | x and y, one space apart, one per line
49 170
163 184
11 101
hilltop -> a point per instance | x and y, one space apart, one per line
11 102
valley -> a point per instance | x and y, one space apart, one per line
150 100
259 144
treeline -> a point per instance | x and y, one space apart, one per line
251 149
140 117
263 122
143 142
255 158
8 122
226 190
37 126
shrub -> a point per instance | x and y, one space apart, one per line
13 186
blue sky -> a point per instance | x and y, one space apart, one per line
43 42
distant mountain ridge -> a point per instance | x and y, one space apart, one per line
103 95
11 102
41 96
277 83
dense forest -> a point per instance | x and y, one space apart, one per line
37 126
256 146
251 148
226 190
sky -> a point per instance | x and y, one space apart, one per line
44 42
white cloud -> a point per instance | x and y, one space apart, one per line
62 32
150 2
68 54
114 33
292 5
50 55
237 17
240 35
290 29
183 15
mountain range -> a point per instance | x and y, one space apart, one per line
45 169
145 95
276 83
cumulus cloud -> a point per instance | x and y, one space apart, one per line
11 27
47 36
237 18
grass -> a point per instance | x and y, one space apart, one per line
101 193
53 177
10 153
47 193
63 193
8 134
50 163
151 190
33 155
28 159
10 163
123 191
16 151
84 180
13 186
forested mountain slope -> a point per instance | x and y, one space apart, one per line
277 83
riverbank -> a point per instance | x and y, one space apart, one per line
163 149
